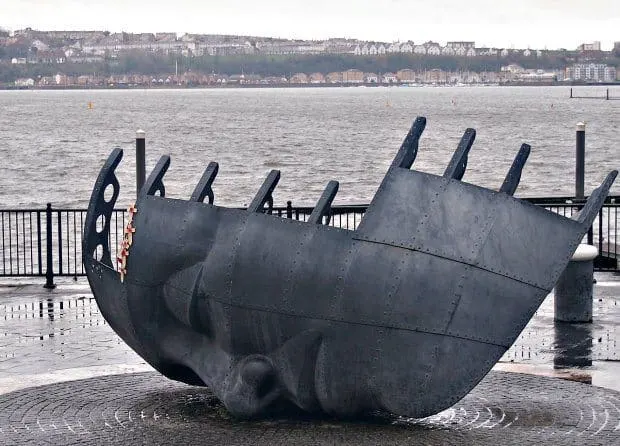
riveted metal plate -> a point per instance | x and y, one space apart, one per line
528 243
513 304
432 214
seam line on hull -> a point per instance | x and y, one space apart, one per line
323 318
452 260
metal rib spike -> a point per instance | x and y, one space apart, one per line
203 188
511 182
99 206
264 194
458 163
324 205
154 182
409 149
587 215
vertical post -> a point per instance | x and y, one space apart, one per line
289 209
571 93
580 159
49 271
607 95
40 248
140 160
600 230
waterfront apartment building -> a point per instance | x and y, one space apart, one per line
594 46
466 45
591 72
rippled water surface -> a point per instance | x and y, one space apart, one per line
53 144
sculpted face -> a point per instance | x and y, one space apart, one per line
406 314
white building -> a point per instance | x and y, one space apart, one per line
591 72
432 49
594 46
447 51
394 48
407 47
24 82
465 45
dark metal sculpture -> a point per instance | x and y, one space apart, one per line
406 314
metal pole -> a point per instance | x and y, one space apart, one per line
140 160
580 159
49 271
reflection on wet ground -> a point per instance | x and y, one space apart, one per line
61 334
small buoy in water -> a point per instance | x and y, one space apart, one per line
90 105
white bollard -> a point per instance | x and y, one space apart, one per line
573 292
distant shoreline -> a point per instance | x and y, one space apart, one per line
318 85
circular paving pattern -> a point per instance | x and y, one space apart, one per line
145 408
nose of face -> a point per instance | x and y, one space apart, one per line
252 386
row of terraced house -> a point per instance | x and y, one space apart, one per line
92 46
347 77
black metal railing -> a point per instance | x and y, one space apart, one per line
48 242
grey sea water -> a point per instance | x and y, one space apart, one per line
53 144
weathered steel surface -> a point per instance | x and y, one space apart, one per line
203 188
324 205
511 182
264 195
406 314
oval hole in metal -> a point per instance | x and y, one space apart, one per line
108 193
101 223
98 253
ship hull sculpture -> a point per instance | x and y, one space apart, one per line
406 314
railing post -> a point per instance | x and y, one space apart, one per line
140 160
40 248
60 269
49 271
289 209
600 231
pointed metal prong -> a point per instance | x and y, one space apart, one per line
587 215
409 148
203 188
511 182
324 205
264 194
154 182
458 163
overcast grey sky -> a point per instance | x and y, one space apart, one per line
519 24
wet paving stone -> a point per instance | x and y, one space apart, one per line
145 408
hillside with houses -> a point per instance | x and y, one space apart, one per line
65 59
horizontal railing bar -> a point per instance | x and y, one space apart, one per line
24 243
